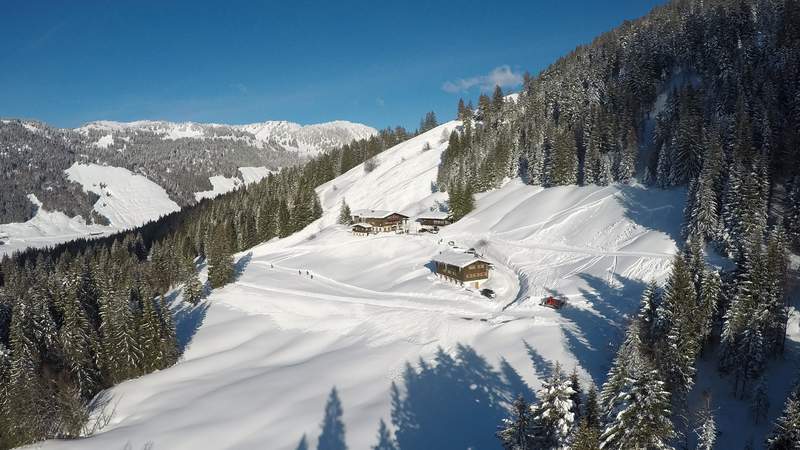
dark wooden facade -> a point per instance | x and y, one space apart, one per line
472 274
434 222
361 229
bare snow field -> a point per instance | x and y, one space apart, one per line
323 309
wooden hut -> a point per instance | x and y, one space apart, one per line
361 229
434 219
462 268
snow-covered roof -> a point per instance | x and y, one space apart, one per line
362 224
372 213
439 215
457 259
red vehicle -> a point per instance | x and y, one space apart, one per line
553 302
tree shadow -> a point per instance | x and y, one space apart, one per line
664 210
241 265
454 403
613 301
332 436
541 366
188 319
596 333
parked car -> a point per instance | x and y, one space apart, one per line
488 293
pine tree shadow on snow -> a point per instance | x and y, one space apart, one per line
241 265
541 367
655 209
453 403
188 319
595 335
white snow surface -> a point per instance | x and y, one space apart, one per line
126 199
253 174
105 141
261 354
45 229
221 184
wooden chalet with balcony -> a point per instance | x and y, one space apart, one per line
380 220
462 268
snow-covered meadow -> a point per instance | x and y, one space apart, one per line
323 309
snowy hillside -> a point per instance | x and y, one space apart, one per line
306 139
45 229
324 308
126 199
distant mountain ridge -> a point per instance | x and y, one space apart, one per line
277 134
188 160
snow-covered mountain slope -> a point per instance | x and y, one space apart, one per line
45 229
324 308
221 184
306 139
126 199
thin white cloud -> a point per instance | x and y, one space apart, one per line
502 76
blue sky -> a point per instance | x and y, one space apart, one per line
377 62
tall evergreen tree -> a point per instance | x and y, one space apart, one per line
220 257
516 431
553 415
345 216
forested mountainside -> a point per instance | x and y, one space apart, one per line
698 92
704 94
178 157
91 313
32 161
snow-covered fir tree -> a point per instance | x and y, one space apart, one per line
553 414
345 217
516 431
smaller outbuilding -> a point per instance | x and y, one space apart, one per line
361 229
462 268
435 219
